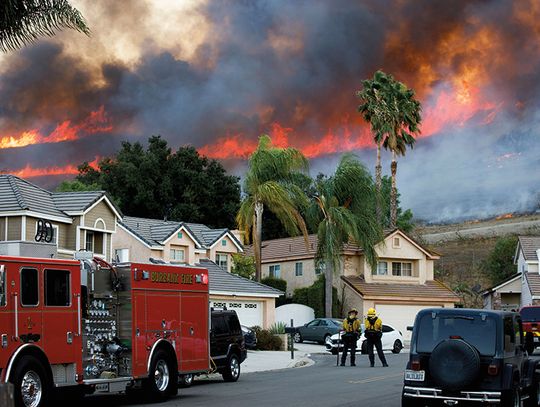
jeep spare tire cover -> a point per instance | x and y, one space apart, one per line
454 364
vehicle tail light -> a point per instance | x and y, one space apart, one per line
493 369
455 337
415 365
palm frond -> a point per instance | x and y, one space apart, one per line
23 21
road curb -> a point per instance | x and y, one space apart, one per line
303 362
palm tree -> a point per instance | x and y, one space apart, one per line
342 212
23 21
394 115
269 183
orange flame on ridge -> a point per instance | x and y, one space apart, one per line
96 122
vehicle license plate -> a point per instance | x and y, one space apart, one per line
102 387
415 376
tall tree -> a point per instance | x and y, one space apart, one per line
158 183
23 21
342 212
394 115
269 183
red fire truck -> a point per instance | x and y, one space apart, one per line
100 328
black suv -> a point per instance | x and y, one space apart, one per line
469 356
227 347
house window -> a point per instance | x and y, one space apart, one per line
224 242
178 255
222 260
299 269
54 236
180 235
89 241
396 242
275 271
382 269
122 255
402 269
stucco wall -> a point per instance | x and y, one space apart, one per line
288 273
422 267
185 242
138 252
228 249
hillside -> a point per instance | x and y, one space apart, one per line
464 246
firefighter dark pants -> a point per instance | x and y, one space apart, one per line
371 342
349 344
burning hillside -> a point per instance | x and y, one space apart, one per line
216 74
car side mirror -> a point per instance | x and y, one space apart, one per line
410 328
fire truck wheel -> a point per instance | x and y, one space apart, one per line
231 373
163 379
32 386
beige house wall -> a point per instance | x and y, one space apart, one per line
103 212
14 228
533 268
228 249
71 234
288 273
406 252
138 251
269 309
185 242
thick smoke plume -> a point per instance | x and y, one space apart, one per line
217 74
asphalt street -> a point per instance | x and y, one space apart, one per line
323 384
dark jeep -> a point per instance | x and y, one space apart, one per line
469 357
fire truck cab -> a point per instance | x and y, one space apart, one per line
99 327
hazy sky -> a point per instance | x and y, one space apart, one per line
216 74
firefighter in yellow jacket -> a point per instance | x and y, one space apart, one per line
373 334
351 326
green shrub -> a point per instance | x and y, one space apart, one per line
266 340
278 284
278 328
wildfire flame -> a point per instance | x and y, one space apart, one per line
96 122
29 172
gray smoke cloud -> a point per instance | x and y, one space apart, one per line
234 68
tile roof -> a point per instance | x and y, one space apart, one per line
529 246
431 289
533 280
20 195
155 231
76 201
295 247
221 280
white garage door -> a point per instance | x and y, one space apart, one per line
400 316
250 313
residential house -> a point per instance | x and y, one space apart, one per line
523 287
139 239
402 283
527 259
80 220
506 295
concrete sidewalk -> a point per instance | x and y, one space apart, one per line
263 361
